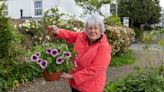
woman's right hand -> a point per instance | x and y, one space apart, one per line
53 29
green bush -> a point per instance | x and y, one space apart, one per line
113 20
154 36
137 32
17 73
5 35
10 39
149 79
13 69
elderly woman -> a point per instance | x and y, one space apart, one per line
94 54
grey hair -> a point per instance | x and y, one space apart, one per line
93 20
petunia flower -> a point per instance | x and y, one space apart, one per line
48 51
59 60
43 64
67 54
38 54
39 61
34 58
54 52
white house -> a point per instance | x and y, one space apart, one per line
35 8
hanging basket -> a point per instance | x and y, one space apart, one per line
52 76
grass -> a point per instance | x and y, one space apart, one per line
124 59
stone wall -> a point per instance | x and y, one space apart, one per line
17 21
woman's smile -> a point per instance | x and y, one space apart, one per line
93 33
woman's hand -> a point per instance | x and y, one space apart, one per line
66 76
53 29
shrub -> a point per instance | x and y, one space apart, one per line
74 25
12 70
137 32
113 20
35 30
154 36
38 30
5 35
149 79
119 37
17 73
9 38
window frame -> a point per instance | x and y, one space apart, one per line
6 10
38 9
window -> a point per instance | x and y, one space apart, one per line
113 8
5 10
38 8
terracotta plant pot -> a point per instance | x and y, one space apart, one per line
52 77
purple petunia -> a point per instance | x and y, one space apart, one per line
67 54
54 52
34 58
43 64
59 60
48 51
38 54
39 61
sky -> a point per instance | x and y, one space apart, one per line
69 5
162 3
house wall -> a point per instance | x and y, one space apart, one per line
66 6
14 7
46 4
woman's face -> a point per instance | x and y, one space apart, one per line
93 32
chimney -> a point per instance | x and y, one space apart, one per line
21 12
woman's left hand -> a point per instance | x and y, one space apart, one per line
66 76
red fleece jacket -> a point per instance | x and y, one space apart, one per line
92 62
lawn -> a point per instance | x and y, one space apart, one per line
124 59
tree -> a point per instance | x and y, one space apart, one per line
140 11
90 6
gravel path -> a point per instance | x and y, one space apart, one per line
113 73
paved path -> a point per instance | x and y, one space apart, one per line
140 46
113 73
143 58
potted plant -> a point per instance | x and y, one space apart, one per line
54 60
